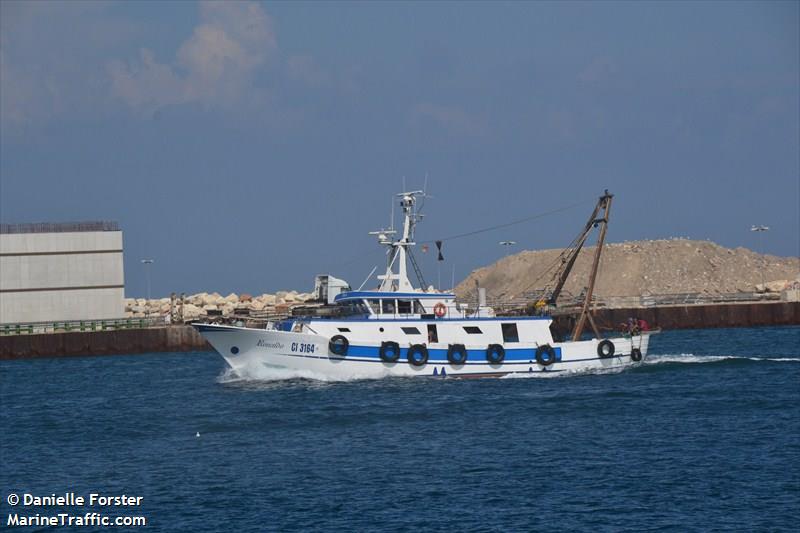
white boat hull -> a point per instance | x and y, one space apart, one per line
251 351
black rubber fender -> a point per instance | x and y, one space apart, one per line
389 352
457 354
417 355
338 345
605 349
636 355
545 355
495 354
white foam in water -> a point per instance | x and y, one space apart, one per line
649 360
566 373
263 373
267 373
528 375
691 358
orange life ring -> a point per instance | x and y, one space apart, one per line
439 310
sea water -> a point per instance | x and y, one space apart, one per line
705 435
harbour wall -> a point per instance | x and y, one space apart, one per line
81 343
733 315
185 339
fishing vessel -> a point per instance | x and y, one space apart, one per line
401 330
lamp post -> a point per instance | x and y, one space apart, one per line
760 230
147 263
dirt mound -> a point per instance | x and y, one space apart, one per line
638 268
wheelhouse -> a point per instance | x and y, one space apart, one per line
396 305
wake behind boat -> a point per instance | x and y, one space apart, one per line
400 330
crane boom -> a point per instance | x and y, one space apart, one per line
571 254
605 204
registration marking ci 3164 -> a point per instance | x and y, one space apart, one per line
302 347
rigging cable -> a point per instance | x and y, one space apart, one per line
561 258
485 230
508 224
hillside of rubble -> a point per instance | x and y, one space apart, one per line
636 268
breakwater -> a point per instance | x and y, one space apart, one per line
734 315
180 338
81 343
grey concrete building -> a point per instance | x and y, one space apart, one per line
63 271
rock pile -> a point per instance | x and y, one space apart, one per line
204 304
657 267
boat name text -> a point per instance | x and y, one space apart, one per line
273 345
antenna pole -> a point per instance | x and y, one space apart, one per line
367 278
399 251
477 297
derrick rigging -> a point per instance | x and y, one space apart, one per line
570 255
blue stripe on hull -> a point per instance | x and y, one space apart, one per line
440 354
433 362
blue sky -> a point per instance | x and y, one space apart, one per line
247 147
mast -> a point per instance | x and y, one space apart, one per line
603 203
398 250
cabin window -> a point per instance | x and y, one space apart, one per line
352 307
410 331
344 330
404 307
433 335
375 305
418 309
473 330
510 332
388 307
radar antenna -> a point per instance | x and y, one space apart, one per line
399 250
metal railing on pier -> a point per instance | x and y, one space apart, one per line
567 301
60 227
63 326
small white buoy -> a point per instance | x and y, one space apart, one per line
198 434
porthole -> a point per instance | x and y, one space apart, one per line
234 350
380 329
